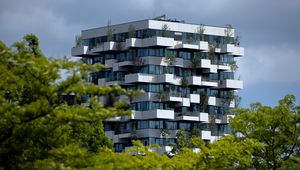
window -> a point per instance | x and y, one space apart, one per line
171 125
185 126
156 124
143 124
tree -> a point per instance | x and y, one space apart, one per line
170 59
195 63
228 34
165 30
131 31
109 31
277 129
211 53
200 31
233 66
225 153
182 141
36 123
184 82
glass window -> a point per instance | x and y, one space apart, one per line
185 126
171 125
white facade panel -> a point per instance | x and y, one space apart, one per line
153 114
212 100
185 27
81 50
206 135
195 98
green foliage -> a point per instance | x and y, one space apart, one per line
35 121
226 153
276 128
162 96
200 31
233 66
131 31
165 30
182 141
109 31
78 41
228 34
195 63
169 58
184 82
211 52
203 101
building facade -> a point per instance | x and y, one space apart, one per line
185 70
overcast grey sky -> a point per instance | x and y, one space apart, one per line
270 32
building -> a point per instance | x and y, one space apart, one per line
186 71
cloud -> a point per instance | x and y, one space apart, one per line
55 34
270 64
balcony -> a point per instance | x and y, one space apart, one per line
79 51
225 102
153 114
139 77
200 45
194 80
224 67
225 118
231 48
155 133
168 78
121 66
205 63
110 63
212 100
162 149
195 98
149 78
107 46
151 41
158 41
146 97
231 84
210 83
133 42
197 117
110 134
205 135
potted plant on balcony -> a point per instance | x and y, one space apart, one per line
184 82
195 63
196 131
237 40
213 124
233 66
109 32
200 31
228 34
165 30
237 101
78 41
137 62
203 101
170 59
162 96
131 31
228 98
119 46
211 53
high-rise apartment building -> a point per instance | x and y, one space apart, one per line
185 70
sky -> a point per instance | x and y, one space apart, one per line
269 31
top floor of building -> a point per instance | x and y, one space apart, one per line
179 30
